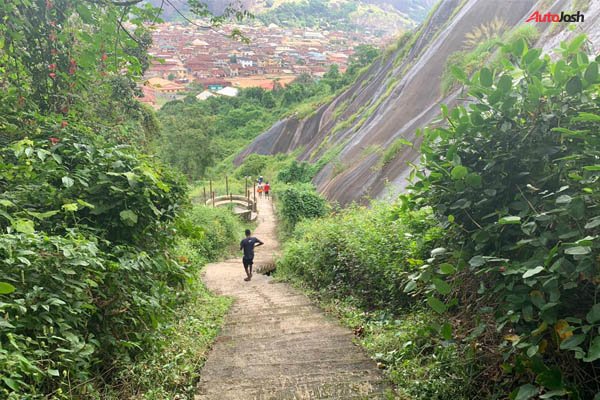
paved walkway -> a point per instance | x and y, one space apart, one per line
275 343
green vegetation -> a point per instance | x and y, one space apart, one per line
392 151
172 370
498 240
297 202
99 247
484 43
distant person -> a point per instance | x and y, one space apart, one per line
260 190
247 245
260 180
267 189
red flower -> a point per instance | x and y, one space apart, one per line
64 124
54 140
52 67
104 57
52 75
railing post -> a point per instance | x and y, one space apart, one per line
255 208
226 185
204 194
213 199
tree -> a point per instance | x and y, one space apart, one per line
333 78
268 100
171 77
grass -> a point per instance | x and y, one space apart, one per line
412 355
172 370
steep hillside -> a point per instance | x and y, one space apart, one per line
363 130
388 15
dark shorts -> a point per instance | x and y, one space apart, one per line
247 261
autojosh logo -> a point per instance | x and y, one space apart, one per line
551 17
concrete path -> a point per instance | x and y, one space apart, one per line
275 343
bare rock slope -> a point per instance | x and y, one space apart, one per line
400 93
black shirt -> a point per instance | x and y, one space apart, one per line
248 246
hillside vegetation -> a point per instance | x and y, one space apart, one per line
384 16
482 281
100 247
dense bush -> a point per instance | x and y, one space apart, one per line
296 202
515 178
297 172
86 269
365 254
211 231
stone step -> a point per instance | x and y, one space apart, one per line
340 390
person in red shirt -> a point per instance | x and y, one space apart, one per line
267 189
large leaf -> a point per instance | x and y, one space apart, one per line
578 250
509 220
505 84
593 315
128 217
593 353
591 72
442 286
436 304
532 272
6 288
572 342
459 172
447 269
574 86
486 77
24 226
526 392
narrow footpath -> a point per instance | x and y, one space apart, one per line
275 344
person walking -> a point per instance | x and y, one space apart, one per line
267 189
247 245
260 189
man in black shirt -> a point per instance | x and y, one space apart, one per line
248 246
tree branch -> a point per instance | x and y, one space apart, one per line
186 18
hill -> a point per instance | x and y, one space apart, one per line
366 125
386 15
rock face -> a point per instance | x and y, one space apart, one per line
400 93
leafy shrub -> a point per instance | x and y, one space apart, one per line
123 196
296 172
85 254
514 177
172 369
297 202
253 166
421 364
209 230
359 253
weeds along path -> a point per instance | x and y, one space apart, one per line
275 344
